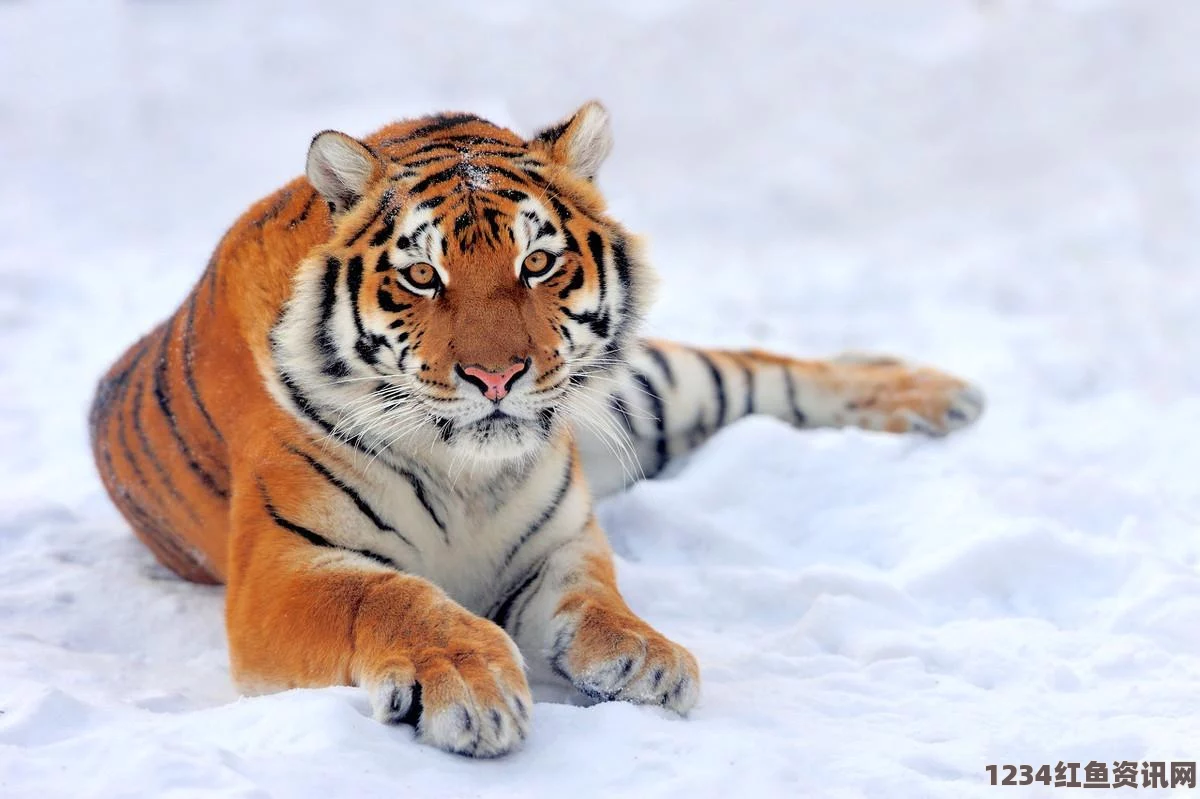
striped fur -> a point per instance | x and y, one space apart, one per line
381 415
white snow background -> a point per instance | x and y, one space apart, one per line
1006 189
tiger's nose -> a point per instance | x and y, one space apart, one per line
494 385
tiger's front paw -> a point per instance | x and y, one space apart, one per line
608 653
468 696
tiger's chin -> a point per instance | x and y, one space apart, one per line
502 437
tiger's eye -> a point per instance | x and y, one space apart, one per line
538 263
421 276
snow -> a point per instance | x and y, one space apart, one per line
1007 189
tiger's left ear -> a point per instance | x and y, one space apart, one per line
341 168
581 142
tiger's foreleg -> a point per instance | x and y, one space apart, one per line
567 609
673 397
302 611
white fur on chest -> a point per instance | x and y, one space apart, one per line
483 531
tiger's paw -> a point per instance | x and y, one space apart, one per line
888 394
464 698
609 654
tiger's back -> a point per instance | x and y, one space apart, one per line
163 416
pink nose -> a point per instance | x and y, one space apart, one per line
494 385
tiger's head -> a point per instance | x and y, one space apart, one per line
472 291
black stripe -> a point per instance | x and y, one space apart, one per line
354 496
423 497
316 538
388 303
564 213
624 270
209 278
333 364
163 397
275 208
564 216
385 233
718 385
597 321
749 374
439 122
501 615
518 615
365 344
575 284
435 179
790 386
624 278
308 204
550 189
491 215
546 514
384 201
552 134
456 147
658 408
138 516
111 388
462 222
127 451
620 408
309 411
135 421
663 364
412 161
305 406
596 247
511 194
189 359
417 231
159 537
455 143
151 526
433 159
117 394
493 169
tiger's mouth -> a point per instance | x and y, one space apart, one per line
499 420
502 431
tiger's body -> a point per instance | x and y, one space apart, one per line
377 416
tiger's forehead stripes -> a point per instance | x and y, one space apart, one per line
478 177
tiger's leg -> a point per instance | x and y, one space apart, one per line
303 611
673 397
566 614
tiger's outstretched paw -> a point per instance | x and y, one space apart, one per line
464 698
609 653
958 405
884 393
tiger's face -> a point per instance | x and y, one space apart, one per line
472 291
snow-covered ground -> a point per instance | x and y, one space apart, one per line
1009 189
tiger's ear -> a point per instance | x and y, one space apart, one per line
341 168
580 142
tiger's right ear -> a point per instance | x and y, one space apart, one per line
341 168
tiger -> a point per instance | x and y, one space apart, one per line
383 414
